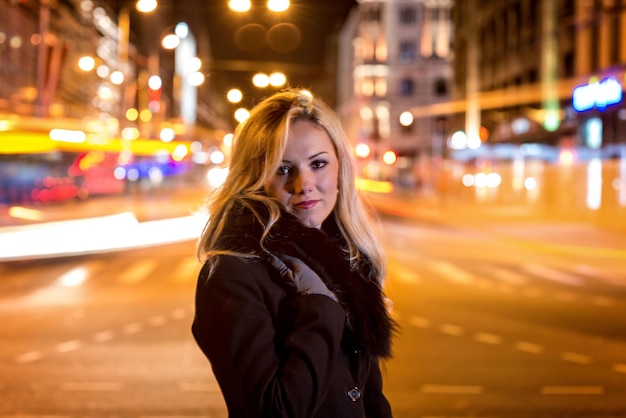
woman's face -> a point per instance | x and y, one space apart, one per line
306 181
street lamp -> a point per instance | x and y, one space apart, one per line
123 39
234 95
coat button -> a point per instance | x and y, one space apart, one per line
354 394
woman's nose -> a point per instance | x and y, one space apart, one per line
303 183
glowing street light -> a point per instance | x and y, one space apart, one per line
146 6
406 118
170 41
155 82
239 6
241 114
389 157
196 78
278 6
194 64
86 63
117 77
277 79
261 80
362 150
234 95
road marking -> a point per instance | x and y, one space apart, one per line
533 292
509 276
527 347
187 270
505 288
29 356
137 273
37 416
103 336
484 284
68 346
450 329
572 390
487 338
566 296
199 387
180 313
597 273
404 275
157 321
419 322
92 387
74 277
619 367
576 358
132 328
452 272
453 389
602 301
551 274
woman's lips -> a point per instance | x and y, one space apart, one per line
307 204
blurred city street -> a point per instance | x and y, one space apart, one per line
490 138
501 315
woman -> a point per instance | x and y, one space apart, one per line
289 305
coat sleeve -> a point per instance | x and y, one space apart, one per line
260 371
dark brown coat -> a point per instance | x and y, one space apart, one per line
276 353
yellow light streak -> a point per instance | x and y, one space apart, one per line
25 213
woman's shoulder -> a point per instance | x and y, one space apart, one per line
231 265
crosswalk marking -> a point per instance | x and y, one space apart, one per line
528 347
103 336
450 329
92 386
133 328
68 346
453 389
576 358
452 272
199 387
608 276
487 338
549 273
404 275
419 322
137 273
572 390
29 356
509 276
187 270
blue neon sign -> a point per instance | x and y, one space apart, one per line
597 94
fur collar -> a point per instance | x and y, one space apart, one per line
325 252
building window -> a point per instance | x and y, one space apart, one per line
407 51
407 87
441 87
408 15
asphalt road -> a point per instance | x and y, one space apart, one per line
491 325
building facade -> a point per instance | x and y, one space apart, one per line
396 55
520 64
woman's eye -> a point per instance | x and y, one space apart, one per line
318 164
283 170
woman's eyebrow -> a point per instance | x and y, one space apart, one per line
310 158
317 155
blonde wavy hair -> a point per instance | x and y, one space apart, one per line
256 155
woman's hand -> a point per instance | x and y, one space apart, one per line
301 275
